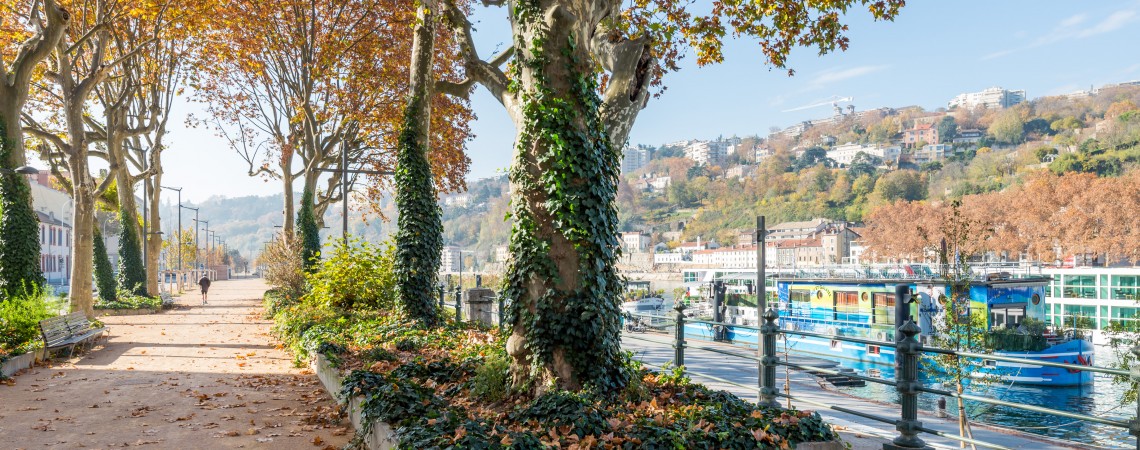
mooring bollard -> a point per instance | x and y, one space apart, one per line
769 330
500 300
441 296
458 306
906 380
679 336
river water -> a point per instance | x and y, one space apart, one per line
1101 399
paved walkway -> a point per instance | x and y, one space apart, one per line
195 377
862 433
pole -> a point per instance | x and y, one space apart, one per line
761 275
344 194
146 230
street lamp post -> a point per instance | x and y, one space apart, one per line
179 191
197 240
344 172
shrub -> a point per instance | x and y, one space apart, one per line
104 276
492 379
284 269
356 276
19 321
125 299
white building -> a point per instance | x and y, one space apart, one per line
933 152
739 256
706 153
740 172
660 183
845 154
633 158
635 241
992 98
796 230
449 259
669 258
55 249
502 254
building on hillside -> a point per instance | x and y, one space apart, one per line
763 152
706 153
55 249
671 236
449 259
502 254
460 200
659 184
992 98
634 157
845 154
933 152
969 136
835 240
799 252
923 132
635 241
740 172
674 257
796 230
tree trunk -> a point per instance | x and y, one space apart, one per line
562 281
288 208
83 233
153 239
20 269
419 238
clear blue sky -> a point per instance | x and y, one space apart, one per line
932 52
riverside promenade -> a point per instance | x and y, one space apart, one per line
862 433
194 377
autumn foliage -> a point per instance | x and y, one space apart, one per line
1046 218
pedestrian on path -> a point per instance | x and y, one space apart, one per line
204 284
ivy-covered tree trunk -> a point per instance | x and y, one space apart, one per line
562 282
19 226
419 239
20 270
104 276
308 231
132 274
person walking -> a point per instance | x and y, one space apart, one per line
204 284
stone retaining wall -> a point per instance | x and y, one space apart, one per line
382 437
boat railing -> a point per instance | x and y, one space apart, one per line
917 272
908 352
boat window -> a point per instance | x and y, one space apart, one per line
873 349
1007 316
846 306
883 304
800 302
990 363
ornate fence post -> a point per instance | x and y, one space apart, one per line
441 296
768 331
906 378
679 335
458 306
1134 424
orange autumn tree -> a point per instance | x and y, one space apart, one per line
294 85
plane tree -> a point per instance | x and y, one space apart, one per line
580 71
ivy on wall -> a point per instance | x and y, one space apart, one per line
566 173
419 239
19 231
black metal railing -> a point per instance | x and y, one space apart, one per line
908 352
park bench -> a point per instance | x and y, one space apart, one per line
68 331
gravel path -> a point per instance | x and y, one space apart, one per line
195 377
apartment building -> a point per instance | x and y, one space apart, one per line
992 98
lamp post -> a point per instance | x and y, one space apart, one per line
197 241
179 191
461 252
344 171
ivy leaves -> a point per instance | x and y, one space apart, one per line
420 236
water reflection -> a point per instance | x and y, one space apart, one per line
1101 399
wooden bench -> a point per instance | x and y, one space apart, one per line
68 331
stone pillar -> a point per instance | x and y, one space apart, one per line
480 306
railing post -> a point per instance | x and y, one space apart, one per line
1134 424
769 330
907 352
458 306
441 296
679 335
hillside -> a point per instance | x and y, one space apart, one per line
794 179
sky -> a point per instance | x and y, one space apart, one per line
933 51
